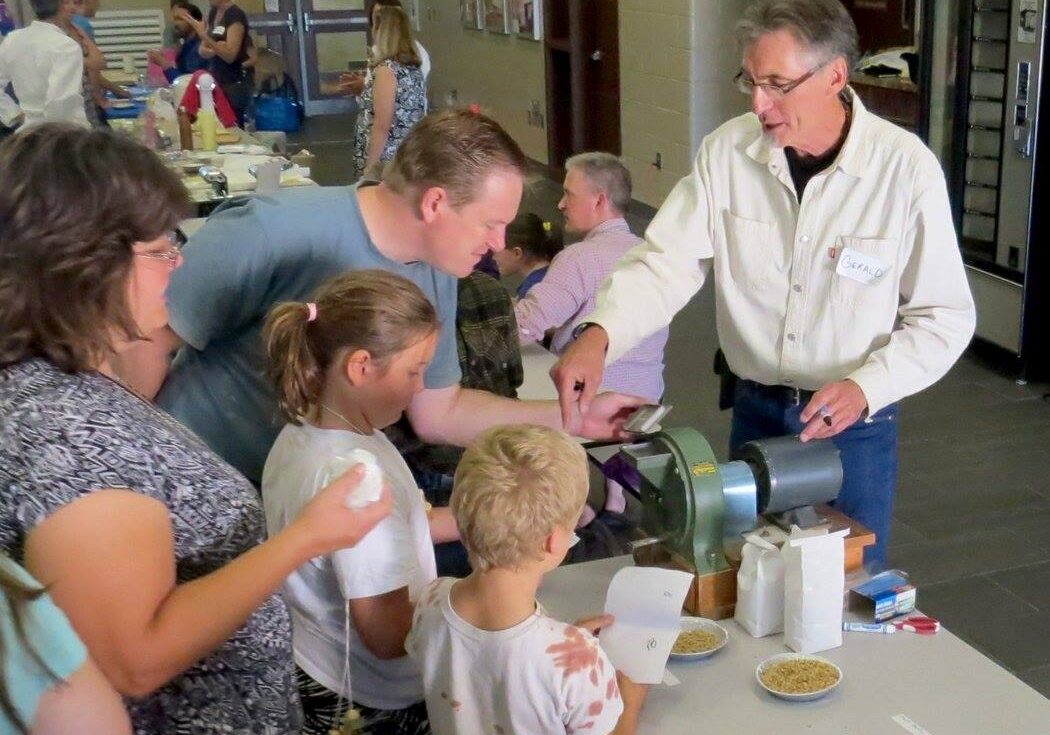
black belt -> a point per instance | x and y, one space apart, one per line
794 396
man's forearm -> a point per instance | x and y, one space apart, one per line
467 413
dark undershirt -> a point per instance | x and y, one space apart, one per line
804 168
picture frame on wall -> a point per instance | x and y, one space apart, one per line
526 19
494 16
470 14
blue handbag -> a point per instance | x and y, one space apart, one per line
279 109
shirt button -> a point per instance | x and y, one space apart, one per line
804 238
791 337
796 288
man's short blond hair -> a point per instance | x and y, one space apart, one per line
514 486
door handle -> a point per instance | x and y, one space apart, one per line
596 55
291 23
308 23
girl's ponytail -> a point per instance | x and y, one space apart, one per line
294 367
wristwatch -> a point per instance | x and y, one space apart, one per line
581 328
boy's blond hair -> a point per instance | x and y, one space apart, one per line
514 485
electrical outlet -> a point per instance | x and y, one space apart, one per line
534 115
452 98
658 162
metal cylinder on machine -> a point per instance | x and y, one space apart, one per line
790 473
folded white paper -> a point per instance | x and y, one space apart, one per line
647 605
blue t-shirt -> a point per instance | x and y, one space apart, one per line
187 60
49 634
249 256
85 25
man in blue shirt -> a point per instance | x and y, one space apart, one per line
187 58
445 201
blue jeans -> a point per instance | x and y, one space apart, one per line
868 450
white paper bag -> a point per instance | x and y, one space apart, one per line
760 588
647 605
814 578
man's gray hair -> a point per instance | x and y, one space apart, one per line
607 174
824 27
45 9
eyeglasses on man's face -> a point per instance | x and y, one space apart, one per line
773 90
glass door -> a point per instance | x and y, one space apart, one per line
274 29
334 39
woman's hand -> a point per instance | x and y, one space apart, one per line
199 26
327 524
351 83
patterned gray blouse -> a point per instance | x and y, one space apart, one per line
410 105
63 436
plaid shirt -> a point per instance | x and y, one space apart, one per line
489 356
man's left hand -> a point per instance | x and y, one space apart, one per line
844 402
605 417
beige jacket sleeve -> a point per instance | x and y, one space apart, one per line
936 317
658 277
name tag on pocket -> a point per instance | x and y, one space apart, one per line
860 267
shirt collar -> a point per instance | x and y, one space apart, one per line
616 224
852 159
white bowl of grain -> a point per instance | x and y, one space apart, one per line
699 638
798 677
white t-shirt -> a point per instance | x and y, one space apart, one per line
541 676
397 553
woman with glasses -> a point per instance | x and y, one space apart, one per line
151 545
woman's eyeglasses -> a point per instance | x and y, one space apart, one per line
171 254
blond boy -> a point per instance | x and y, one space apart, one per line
492 660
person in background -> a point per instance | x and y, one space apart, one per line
48 684
174 586
353 83
490 360
346 365
45 68
532 244
225 43
187 56
394 99
492 659
839 284
597 194
96 85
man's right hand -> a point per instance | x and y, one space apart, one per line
578 374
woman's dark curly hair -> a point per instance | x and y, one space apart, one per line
73 202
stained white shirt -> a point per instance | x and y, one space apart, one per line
46 69
539 676
788 311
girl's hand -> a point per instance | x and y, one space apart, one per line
157 57
327 524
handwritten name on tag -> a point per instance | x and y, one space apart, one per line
860 267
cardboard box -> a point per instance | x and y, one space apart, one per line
884 596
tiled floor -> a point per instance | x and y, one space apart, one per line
973 508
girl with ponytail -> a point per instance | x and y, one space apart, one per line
345 366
